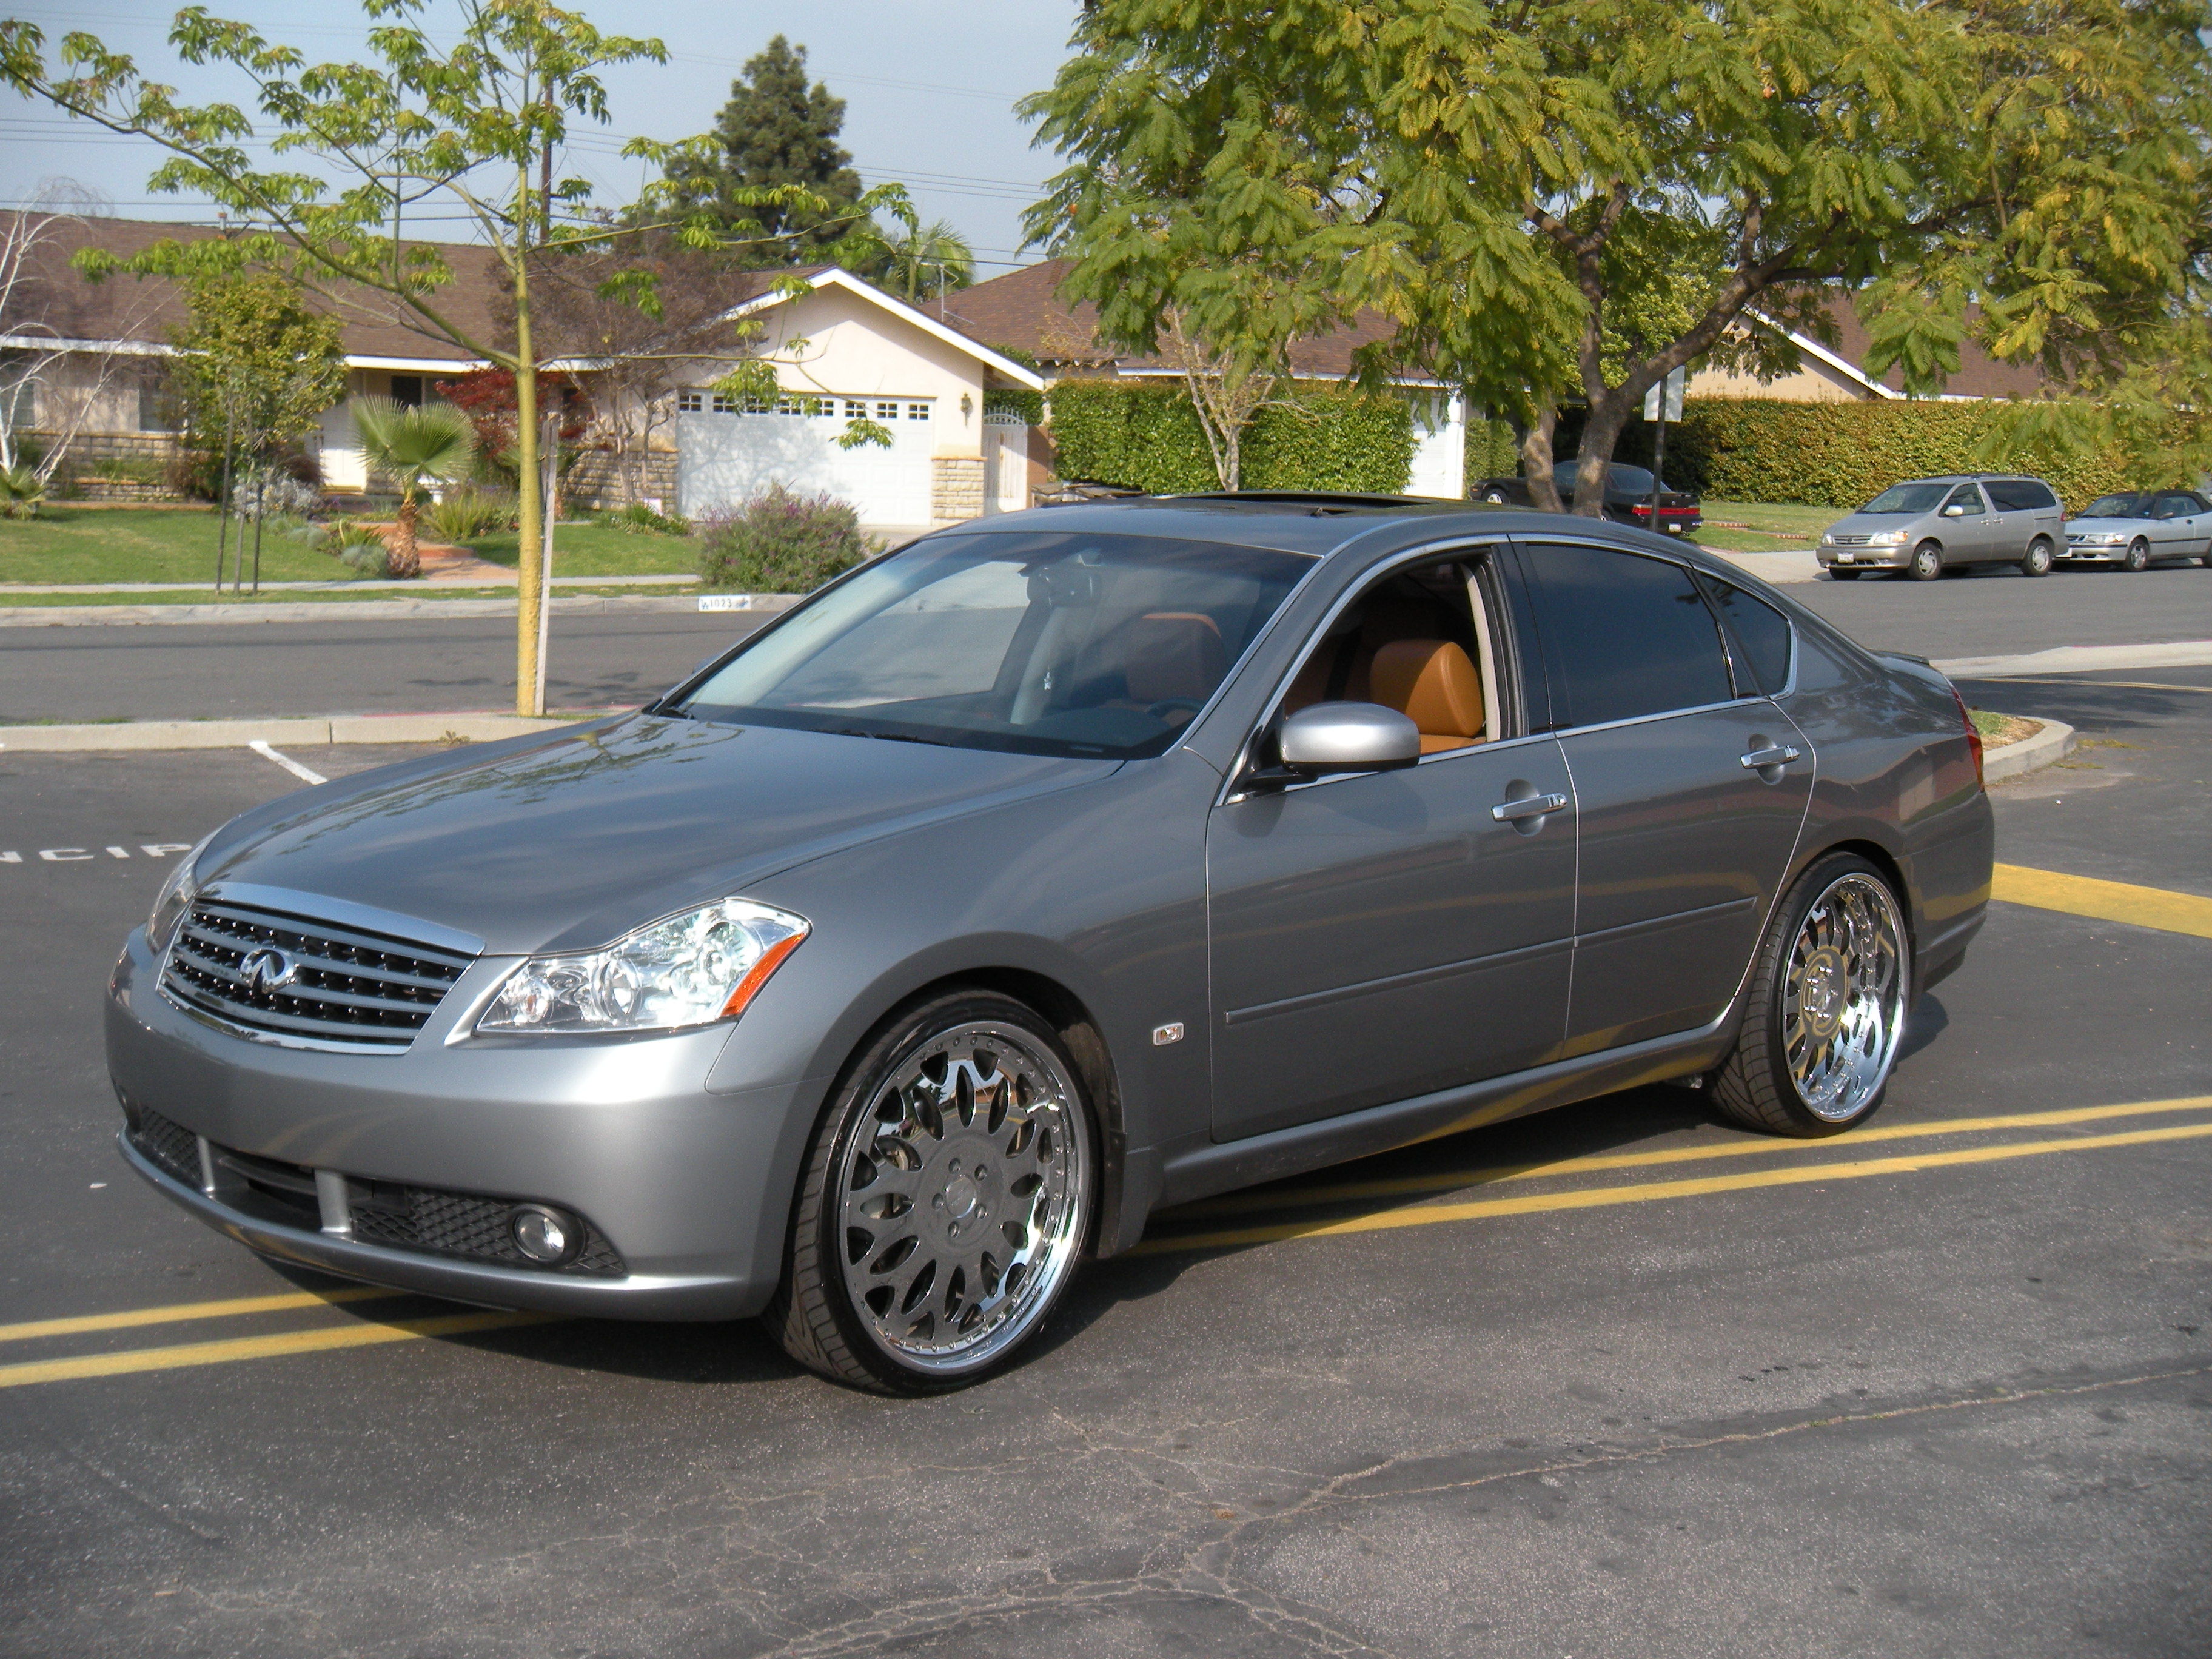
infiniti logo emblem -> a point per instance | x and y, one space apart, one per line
267 969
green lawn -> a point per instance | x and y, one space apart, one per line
599 550
67 543
1772 527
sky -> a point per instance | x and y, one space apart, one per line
929 87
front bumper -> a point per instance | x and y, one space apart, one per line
1863 558
691 1189
2076 555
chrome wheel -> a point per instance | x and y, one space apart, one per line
2138 555
961 1197
1843 997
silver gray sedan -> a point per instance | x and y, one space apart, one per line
1053 869
2136 527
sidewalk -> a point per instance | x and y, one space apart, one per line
252 610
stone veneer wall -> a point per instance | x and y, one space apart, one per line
955 487
595 480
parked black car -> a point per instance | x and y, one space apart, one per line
1627 496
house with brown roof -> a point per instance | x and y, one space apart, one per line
843 350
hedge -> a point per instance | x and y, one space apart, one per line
1147 437
1840 454
1493 448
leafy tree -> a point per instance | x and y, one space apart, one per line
254 362
774 132
434 444
923 260
1560 200
356 150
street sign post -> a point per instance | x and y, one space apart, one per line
1662 404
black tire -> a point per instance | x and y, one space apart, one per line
1495 498
1838 575
1927 562
2038 561
812 1312
2137 557
1755 1085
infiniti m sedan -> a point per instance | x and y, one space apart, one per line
1054 868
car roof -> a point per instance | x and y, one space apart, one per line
1321 523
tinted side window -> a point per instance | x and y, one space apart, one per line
1630 636
2020 495
1763 632
1968 497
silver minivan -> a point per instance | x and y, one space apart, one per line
1933 525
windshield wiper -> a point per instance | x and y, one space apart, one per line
893 737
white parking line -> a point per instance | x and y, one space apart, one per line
152 849
285 761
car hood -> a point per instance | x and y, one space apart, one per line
2111 527
1870 523
566 843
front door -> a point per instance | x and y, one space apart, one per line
1380 936
1968 532
1688 797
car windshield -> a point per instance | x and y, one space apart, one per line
1634 479
1074 644
1909 498
2128 504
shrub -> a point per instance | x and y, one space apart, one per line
780 543
638 519
360 549
126 469
22 491
1147 437
464 514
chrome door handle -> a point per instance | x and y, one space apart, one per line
1759 759
1529 806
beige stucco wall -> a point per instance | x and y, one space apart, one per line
1814 382
853 348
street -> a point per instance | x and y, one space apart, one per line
1621 1381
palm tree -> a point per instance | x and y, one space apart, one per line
927 258
436 443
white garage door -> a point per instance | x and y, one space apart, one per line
726 458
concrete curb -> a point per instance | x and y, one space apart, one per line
2081 659
2055 742
294 733
114 615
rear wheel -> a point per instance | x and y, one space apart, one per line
2137 556
1825 1008
1495 498
1927 562
947 1196
2038 561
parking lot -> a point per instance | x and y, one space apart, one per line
1617 1380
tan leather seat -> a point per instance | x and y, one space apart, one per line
1173 655
1433 683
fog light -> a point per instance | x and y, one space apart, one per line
543 1235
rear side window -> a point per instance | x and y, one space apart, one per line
1763 632
2020 495
1630 634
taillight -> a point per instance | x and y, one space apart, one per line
1973 736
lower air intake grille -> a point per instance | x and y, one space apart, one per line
307 980
462 1225
172 1146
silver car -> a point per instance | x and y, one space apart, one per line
1929 526
1044 873
2136 527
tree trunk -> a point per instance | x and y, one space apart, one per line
1536 458
530 584
1608 415
406 560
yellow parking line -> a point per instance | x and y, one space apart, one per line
181 1310
1592 1198
258 1347
2106 900
1449 1180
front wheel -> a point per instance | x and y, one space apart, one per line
2038 561
947 1196
2138 555
1824 1007
1927 562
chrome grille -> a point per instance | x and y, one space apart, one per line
307 980
1849 541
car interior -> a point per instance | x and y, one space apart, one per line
1418 642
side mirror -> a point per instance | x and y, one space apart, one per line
1348 737
1955 510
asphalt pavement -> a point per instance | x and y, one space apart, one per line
603 660
1621 1381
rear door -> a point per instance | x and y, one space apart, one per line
1689 785
2024 510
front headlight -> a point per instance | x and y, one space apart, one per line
175 898
1887 539
689 969
2097 538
